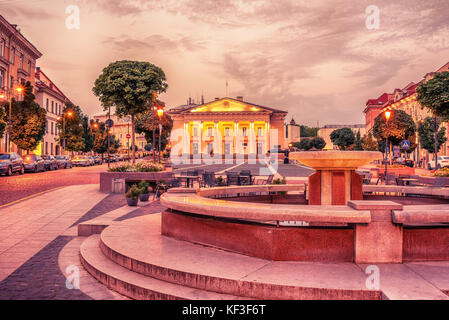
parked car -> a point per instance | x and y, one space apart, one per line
81 161
92 160
50 162
11 162
442 161
98 160
406 162
33 163
64 161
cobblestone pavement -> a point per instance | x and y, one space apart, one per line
40 278
19 186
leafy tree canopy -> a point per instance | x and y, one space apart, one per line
426 131
400 127
434 95
343 138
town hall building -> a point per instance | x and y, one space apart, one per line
228 128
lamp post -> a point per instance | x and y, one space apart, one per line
160 113
387 117
68 114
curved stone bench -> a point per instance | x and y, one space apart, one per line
422 214
198 203
408 190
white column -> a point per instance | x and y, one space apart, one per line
200 142
251 138
186 139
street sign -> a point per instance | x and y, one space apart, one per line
109 123
405 144
128 136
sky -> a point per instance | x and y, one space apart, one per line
319 60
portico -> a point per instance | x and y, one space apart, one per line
231 128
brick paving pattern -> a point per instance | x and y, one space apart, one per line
40 278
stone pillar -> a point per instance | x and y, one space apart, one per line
186 148
217 142
252 141
379 241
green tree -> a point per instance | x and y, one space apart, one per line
318 143
148 147
144 124
368 143
100 145
130 87
71 128
88 137
304 144
400 127
426 131
3 118
308 132
28 121
343 138
434 95
358 142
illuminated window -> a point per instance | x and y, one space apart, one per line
209 131
259 132
244 133
195 132
195 148
227 148
226 132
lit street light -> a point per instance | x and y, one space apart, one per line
387 117
160 113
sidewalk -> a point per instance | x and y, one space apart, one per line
28 226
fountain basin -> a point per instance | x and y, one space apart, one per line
335 181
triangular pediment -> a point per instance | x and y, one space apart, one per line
227 105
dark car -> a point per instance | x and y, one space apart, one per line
11 162
98 160
50 162
64 162
33 163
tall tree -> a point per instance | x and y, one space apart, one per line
426 131
88 137
434 95
308 132
144 124
100 144
71 128
358 142
28 121
400 127
368 143
130 87
3 118
343 138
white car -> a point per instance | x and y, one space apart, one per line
443 161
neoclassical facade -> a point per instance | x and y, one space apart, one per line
227 127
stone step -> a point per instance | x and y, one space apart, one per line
138 245
135 285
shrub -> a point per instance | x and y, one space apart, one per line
134 192
443 172
143 185
138 167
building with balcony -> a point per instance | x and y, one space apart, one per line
17 65
52 99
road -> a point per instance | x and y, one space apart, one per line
18 186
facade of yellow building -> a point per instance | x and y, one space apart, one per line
120 129
227 128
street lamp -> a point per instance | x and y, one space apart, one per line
160 113
68 114
10 91
387 117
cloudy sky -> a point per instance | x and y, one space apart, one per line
317 59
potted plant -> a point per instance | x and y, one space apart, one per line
143 185
132 196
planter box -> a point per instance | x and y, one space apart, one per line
107 178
